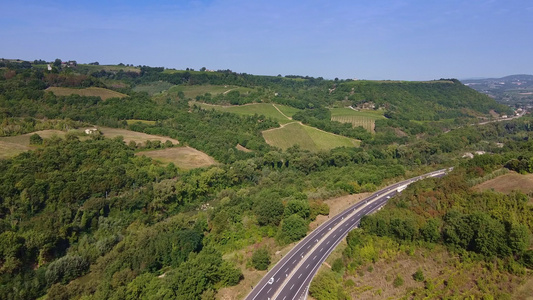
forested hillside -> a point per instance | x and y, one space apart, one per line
83 217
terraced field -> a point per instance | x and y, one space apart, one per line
365 119
280 113
308 138
91 91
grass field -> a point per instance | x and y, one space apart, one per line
306 137
267 109
137 137
91 91
153 88
183 157
507 183
133 121
366 118
8 149
191 91
13 145
110 68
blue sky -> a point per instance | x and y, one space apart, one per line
371 39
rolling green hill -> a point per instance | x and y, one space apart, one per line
308 138
280 113
91 217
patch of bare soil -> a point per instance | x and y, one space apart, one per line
524 292
398 132
242 148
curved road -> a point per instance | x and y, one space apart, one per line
289 279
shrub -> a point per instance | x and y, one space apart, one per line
293 229
418 275
261 259
398 281
36 139
337 265
66 268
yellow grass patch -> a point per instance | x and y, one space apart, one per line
8 150
11 146
133 121
507 183
137 137
243 149
91 91
183 157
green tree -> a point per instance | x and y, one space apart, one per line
66 268
398 281
518 238
325 286
293 229
269 211
430 232
299 207
36 139
261 259
418 275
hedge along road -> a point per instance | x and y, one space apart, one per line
291 276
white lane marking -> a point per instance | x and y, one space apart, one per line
269 290
300 276
277 280
308 246
307 266
314 257
327 243
294 261
335 235
291 286
321 249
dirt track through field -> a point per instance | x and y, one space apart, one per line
281 112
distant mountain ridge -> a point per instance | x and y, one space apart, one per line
508 77
512 89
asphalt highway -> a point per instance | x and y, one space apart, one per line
289 279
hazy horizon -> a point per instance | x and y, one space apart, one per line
389 40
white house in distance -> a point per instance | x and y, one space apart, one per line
91 130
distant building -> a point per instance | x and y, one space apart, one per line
91 131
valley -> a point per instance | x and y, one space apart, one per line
124 182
